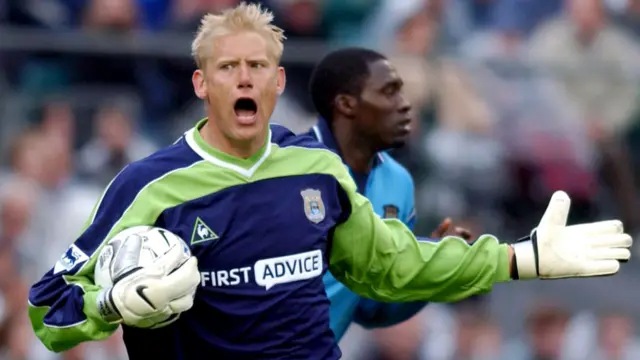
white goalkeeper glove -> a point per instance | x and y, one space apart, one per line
153 296
555 250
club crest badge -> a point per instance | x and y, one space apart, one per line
313 205
390 211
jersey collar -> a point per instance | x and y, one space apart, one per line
246 167
322 132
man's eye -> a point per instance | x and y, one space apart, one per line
226 67
257 66
390 91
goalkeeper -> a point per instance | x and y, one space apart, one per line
281 210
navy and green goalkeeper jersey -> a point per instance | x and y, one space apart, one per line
265 230
389 188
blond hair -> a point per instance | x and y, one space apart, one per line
244 17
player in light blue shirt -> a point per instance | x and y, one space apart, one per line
363 112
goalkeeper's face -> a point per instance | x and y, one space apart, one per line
240 82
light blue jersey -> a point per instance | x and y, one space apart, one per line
390 189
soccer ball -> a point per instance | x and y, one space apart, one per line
155 243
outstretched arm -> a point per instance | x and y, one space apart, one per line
382 260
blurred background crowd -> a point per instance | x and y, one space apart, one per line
513 99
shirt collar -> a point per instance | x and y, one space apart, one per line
322 132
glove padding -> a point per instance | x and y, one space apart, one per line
555 250
153 296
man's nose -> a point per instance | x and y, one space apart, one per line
404 105
245 82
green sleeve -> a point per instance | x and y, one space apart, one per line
62 304
381 258
93 328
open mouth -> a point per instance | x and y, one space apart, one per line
245 108
405 125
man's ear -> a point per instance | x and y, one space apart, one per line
199 84
281 80
346 104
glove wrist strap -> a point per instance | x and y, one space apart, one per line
107 308
525 260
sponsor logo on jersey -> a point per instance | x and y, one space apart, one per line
285 269
390 211
202 233
313 205
70 259
268 272
223 278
